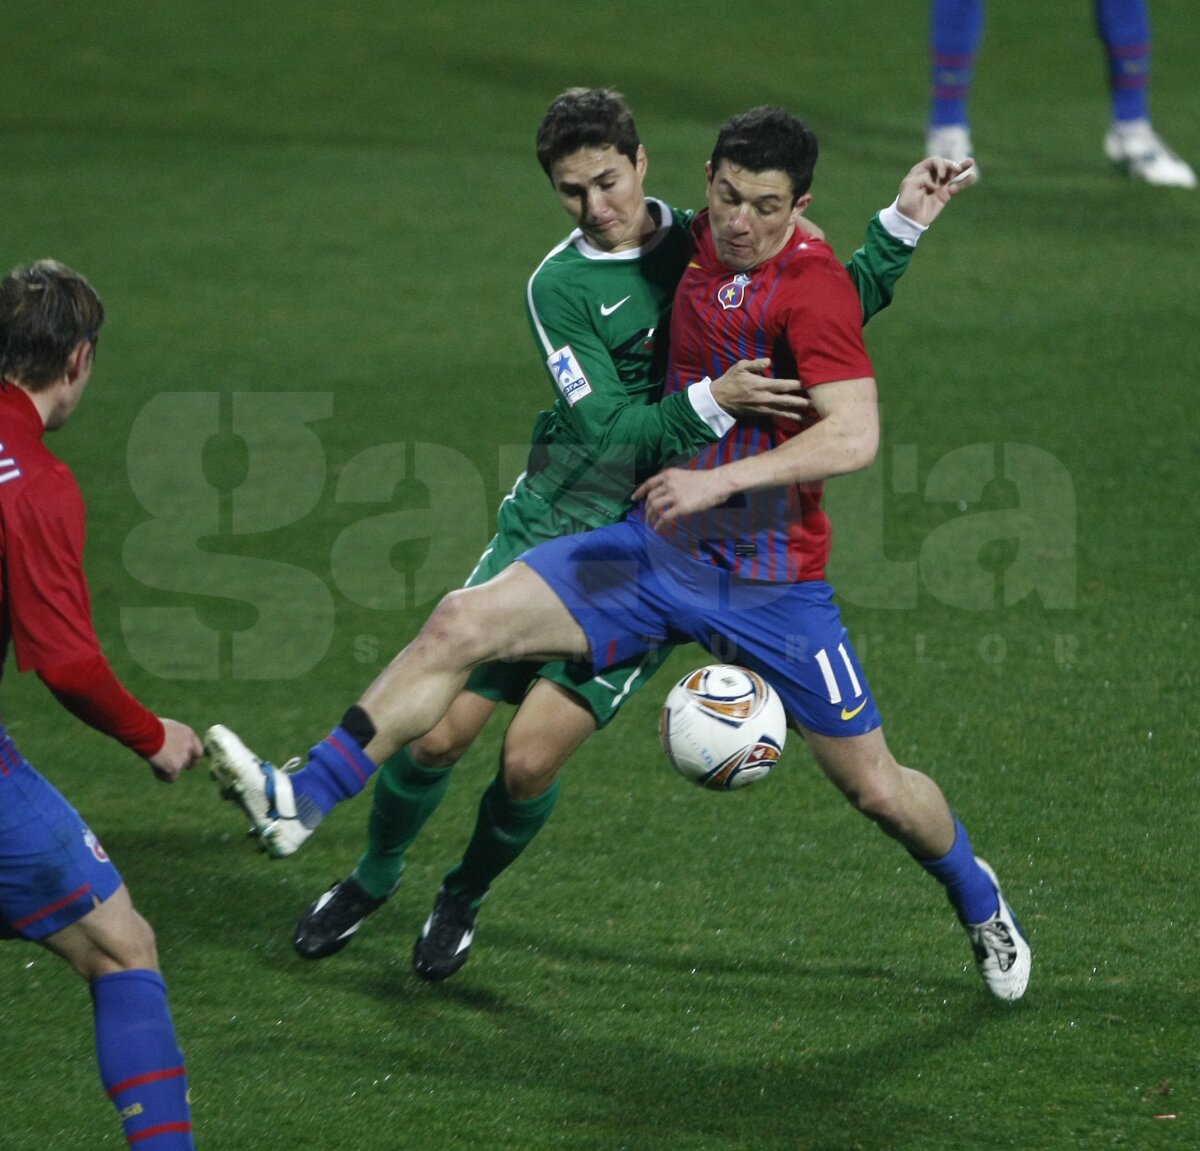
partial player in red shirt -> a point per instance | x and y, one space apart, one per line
58 887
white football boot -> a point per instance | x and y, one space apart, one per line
262 790
1002 953
1139 149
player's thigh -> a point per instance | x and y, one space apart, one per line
53 869
113 936
616 583
517 615
549 726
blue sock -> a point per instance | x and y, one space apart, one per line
971 891
141 1065
1124 26
955 34
337 769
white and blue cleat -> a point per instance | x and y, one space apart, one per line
262 790
1002 952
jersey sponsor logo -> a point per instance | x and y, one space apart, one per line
568 375
9 469
848 715
732 294
608 309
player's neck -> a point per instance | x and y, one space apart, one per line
46 400
650 222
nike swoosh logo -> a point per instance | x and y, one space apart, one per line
851 714
607 310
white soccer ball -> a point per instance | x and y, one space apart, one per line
723 727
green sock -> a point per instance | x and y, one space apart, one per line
503 829
406 795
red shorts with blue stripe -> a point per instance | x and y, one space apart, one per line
630 591
52 867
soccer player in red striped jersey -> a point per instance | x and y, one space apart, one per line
727 550
58 887
796 307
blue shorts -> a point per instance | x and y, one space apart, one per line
631 591
52 867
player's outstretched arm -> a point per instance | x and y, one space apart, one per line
180 750
893 233
746 390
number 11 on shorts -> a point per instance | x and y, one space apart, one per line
831 683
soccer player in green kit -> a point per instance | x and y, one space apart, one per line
598 306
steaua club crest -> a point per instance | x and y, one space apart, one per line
89 837
732 294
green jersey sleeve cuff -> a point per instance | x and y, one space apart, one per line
899 226
716 417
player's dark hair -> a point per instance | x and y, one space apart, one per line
768 139
46 310
586 118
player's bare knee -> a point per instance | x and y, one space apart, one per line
455 632
879 802
443 746
528 770
880 795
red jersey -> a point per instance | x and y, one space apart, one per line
799 308
45 608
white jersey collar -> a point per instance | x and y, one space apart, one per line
666 220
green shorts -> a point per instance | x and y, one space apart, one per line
524 520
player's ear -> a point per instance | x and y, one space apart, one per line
708 172
641 161
802 202
79 361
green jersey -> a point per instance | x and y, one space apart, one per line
601 322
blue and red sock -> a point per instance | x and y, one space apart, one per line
969 888
141 1066
1124 26
956 30
337 768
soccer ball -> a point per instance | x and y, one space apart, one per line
722 727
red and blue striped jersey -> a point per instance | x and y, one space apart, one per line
801 309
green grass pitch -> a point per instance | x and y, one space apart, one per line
312 224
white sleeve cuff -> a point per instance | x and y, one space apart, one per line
899 226
715 416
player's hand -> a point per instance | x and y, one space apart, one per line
676 492
746 390
931 185
180 751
